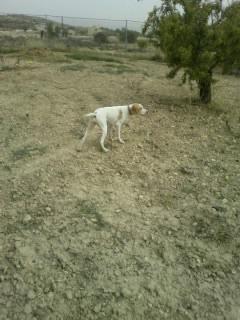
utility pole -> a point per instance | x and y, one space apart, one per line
62 25
126 34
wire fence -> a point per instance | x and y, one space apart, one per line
80 29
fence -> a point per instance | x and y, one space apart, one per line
74 27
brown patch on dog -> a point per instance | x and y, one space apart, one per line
120 115
135 108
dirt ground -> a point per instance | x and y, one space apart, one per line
149 230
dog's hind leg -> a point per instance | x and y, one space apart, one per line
110 134
90 126
103 126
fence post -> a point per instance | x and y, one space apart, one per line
126 34
62 26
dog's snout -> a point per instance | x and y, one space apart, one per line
144 111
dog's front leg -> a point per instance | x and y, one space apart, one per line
103 137
119 125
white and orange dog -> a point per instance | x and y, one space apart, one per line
109 117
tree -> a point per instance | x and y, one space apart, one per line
231 38
100 38
194 37
57 31
142 42
50 30
131 35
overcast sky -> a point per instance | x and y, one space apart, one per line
114 9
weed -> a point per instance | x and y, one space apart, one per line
28 151
89 210
213 227
116 69
7 68
9 50
72 67
92 56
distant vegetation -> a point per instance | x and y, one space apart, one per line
23 22
49 29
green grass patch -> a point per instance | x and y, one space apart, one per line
213 227
9 50
7 68
92 56
72 67
89 211
116 69
28 151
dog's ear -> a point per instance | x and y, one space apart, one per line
135 108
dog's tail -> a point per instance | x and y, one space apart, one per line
90 115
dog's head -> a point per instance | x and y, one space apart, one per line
137 108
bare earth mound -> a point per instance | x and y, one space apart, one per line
149 230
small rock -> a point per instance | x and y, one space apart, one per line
48 209
117 273
31 294
125 292
118 211
219 208
97 308
28 309
99 169
186 170
69 295
50 295
6 288
27 218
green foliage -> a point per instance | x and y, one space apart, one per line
54 31
131 35
50 30
57 31
65 32
195 37
231 38
100 38
142 42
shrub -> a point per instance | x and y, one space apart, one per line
142 42
100 38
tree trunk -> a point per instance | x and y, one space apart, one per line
205 91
